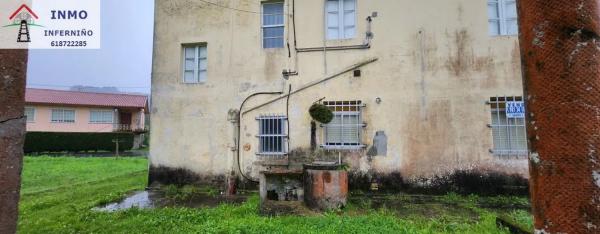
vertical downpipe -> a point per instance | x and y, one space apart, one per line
560 51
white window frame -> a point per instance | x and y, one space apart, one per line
341 24
263 26
502 19
344 108
112 115
197 58
62 120
512 139
271 137
30 119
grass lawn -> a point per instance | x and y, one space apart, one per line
58 194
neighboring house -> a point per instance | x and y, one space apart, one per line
418 88
70 111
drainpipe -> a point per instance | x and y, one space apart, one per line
365 45
560 51
239 125
13 68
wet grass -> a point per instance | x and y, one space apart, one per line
60 201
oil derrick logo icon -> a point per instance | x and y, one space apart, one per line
23 18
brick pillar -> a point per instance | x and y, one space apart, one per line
560 47
13 69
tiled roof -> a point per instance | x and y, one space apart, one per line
61 97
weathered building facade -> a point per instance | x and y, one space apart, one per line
417 88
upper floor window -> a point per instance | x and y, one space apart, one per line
341 19
272 135
101 116
502 17
272 25
345 129
194 63
62 116
30 114
508 126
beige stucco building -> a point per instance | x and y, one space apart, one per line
426 75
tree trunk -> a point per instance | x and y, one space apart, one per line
13 70
560 48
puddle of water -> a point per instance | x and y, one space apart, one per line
141 200
156 199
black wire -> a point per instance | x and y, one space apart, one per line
287 114
239 163
294 22
231 8
235 9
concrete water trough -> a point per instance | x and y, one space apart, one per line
318 186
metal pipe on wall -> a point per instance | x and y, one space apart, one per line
560 51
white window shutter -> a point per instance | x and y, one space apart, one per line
349 18
333 19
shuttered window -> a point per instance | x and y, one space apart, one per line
63 116
341 19
508 133
272 25
502 17
194 64
345 130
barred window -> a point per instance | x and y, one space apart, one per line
345 130
272 136
30 114
101 116
508 131
63 116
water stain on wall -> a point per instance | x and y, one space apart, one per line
462 58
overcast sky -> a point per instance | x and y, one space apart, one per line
124 60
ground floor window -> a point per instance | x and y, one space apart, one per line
508 126
63 116
101 116
272 135
345 130
30 114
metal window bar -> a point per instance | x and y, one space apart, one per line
272 136
345 130
509 136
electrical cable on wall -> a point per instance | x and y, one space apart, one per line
239 162
234 9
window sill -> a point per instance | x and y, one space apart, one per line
343 147
504 36
271 154
98 123
514 153
62 122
